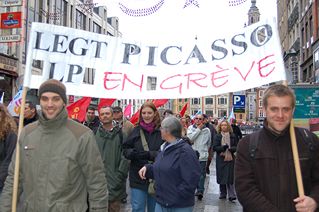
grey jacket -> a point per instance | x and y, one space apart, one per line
201 139
60 165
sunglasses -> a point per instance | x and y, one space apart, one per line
199 119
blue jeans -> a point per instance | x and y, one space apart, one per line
201 183
139 199
159 208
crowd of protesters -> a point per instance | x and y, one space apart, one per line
66 165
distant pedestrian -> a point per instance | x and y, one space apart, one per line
225 145
109 139
91 120
176 170
30 113
8 140
200 137
236 129
148 126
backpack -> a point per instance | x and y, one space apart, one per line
254 140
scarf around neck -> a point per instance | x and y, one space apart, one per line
150 127
225 138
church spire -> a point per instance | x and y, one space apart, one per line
253 13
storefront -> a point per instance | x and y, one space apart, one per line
8 75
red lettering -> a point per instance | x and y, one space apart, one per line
165 88
260 67
245 77
127 79
204 76
106 80
214 78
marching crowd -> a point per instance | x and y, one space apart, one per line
70 166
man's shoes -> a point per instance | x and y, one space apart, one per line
207 171
222 197
200 196
232 199
124 201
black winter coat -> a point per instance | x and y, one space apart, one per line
7 147
134 151
224 169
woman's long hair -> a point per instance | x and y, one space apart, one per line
157 118
7 123
229 128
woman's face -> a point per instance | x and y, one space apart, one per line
148 115
224 127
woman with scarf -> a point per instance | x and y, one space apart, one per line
225 144
148 126
8 140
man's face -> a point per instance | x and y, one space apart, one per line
51 104
117 115
90 115
279 112
28 112
105 116
199 120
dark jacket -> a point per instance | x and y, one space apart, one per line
268 181
237 131
134 151
116 166
7 147
93 125
31 120
176 172
224 169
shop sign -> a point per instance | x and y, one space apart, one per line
9 38
9 3
11 20
8 64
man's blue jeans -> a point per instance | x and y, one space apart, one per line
201 183
139 199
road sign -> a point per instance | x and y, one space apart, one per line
239 103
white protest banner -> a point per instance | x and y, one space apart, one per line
155 69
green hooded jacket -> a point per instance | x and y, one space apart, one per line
60 166
116 165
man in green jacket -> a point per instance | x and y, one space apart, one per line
109 139
60 164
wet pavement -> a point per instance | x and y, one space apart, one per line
210 201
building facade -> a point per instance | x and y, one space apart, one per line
79 14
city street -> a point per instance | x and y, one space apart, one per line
210 202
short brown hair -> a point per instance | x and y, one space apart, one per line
279 90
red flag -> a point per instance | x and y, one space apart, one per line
134 118
182 112
128 110
77 110
159 102
105 102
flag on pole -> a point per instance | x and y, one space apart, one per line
134 118
159 102
14 105
105 102
182 112
198 113
2 98
231 116
128 110
77 110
